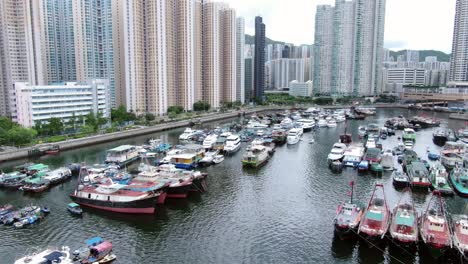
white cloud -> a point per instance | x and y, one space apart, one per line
410 24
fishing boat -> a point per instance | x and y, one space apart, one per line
377 169
438 177
348 216
376 220
404 225
255 156
47 256
221 141
363 165
122 155
434 228
337 152
424 122
362 131
233 144
217 159
418 175
433 156
58 175
97 251
409 156
279 136
388 160
459 180
13 180
371 143
5 209
452 154
460 235
400 179
373 155
294 135
209 141
440 136
463 135
409 135
74 209
353 155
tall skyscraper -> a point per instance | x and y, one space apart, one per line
323 47
369 37
348 49
20 56
259 59
343 47
240 71
459 60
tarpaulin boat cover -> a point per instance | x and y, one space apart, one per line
53 257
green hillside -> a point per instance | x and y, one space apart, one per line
441 56
249 39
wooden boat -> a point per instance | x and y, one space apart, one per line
404 226
74 209
376 220
348 216
439 179
35 187
97 251
460 235
255 157
400 179
434 228
459 180
418 175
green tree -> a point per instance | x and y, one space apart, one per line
149 117
101 120
81 121
71 123
39 127
175 109
201 106
172 115
21 136
6 123
3 136
55 126
91 120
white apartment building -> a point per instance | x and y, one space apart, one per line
459 61
42 102
282 71
405 76
300 88
240 60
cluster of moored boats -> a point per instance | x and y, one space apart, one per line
95 251
402 224
22 217
34 177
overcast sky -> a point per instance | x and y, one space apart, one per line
409 24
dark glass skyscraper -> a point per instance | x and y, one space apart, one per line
259 63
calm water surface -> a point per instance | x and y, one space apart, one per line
281 213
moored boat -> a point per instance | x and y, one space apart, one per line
438 177
418 175
294 136
49 255
74 209
337 152
387 161
233 144
459 180
348 216
434 228
376 220
409 134
460 234
404 224
353 155
255 156
400 179
122 155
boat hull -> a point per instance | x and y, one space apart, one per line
179 192
439 140
143 206
345 232
199 184
436 251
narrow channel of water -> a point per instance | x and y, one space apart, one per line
281 213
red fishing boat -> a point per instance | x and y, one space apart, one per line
376 220
460 234
404 226
434 228
348 216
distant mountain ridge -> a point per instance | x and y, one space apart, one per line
249 39
441 56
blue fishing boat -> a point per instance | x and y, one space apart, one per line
74 209
363 165
433 156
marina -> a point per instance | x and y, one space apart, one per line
275 208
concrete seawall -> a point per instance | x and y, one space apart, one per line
81 142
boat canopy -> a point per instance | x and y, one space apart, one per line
405 219
73 205
94 241
53 257
375 215
104 247
38 167
123 148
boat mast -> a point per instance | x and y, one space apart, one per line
351 183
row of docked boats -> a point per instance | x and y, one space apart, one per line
95 251
34 177
402 224
22 217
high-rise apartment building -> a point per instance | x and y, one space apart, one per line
412 56
459 61
323 48
240 70
259 59
348 49
20 56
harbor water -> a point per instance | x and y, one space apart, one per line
280 213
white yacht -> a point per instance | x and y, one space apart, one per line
233 144
286 122
331 123
387 160
48 256
294 135
209 141
322 123
218 159
208 158
307 124
253 124
187 135
337 152
340 118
